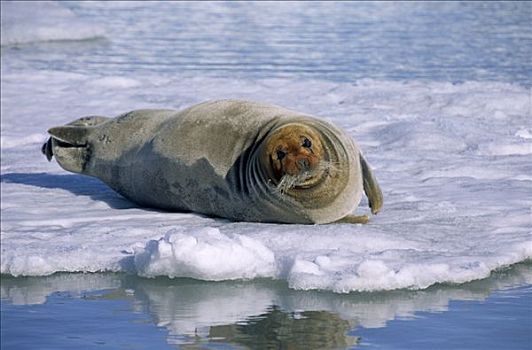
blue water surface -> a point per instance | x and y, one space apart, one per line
503 321
339 41
41 313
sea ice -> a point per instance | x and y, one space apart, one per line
43 21
452 159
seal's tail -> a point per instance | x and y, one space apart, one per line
69 144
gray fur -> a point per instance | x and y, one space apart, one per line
206 159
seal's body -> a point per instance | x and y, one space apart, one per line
240 160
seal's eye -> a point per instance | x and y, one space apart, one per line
280 155
307 143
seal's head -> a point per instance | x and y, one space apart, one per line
296 156
306 169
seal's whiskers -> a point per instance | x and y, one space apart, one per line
290 181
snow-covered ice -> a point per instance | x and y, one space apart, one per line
454 161
451 159
43 21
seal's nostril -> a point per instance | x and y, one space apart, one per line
303 163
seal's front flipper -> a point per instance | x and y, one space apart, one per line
69 144
353 219
371 187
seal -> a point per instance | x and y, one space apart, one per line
241 160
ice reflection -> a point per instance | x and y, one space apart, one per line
258 313
278 329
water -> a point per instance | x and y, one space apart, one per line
437 95
345 41
124 312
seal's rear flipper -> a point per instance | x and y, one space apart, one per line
47 150
69 144
70 136
371 187
70 147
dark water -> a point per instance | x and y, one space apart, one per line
502 321
112 311
340 41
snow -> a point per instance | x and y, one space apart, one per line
205 251
454 161
43 21
453 211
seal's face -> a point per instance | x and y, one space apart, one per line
295 155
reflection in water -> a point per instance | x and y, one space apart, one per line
277 329
257 314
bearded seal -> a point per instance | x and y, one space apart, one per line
241 160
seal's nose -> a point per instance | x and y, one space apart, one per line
303 164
